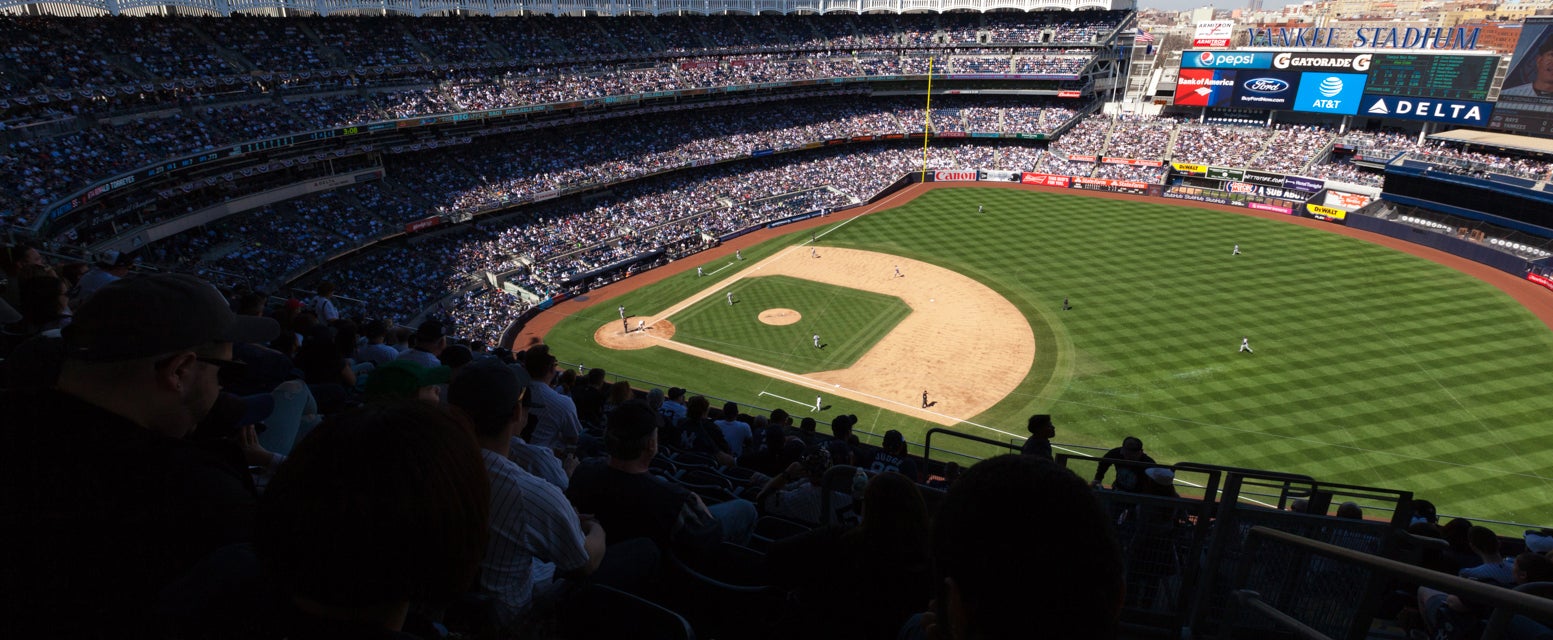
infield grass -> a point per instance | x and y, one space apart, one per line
1372 367
853 320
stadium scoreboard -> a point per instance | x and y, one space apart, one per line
1437 87
1444 77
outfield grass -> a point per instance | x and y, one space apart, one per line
853 321
1372 367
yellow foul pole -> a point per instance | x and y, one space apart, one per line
928 121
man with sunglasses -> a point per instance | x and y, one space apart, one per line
105 501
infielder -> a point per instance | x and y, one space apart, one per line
897 271
730 298
1245 345
816 340
1236 252
816 403
813 253
924 398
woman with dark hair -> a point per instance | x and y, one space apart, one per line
863 581
378 508
619 394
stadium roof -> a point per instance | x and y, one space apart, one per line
1501 140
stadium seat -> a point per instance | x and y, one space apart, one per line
629 616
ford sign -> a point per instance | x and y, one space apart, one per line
1265 85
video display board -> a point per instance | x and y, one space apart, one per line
1526 101
1436 87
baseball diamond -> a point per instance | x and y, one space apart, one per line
1369 363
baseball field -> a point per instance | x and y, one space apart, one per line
1371 366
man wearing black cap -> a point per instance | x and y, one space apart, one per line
105 502
632 503
427 344
1130 461
110 266
893 457
532 524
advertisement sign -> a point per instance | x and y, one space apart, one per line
1133 162
1213 34
1326 213
1266 90
1069 94
1526 102
1072 158
1264 190
1263 177
1218 173
1452 111
1000 176
1045 179
1107 184
1346 201
1225 60
954 176
1195 169
1540 279
1204 87
1321 61
949 134
1270 207
422 224
1308 185
1337 93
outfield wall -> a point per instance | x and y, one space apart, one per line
1474 251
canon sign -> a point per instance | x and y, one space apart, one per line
1356 62
954 176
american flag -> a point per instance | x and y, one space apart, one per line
1143 37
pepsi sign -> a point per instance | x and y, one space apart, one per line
1226 60
1265 90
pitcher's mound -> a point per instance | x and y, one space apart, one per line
780 317
610 335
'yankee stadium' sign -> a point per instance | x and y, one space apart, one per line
1374 38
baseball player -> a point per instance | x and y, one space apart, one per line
816 340
738 255
978 209
897 271
625 325
640 324
698 272
1065 305
730 298
816 403
1236 252
924 398
813 253
1245 345
622 312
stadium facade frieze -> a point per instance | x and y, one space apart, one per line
593 7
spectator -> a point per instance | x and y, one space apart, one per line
861 581
406 380
673 409
482 392
629 501
1129 460
893 457
12 260
997 521
1350 510
736 432
375 351
699 434
795 493
378 508
590 394
427 344
1041 432
537 539
620 393
110 266
106 502
323 303
558 427
1494 567
843 447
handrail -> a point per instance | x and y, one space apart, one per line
1500 597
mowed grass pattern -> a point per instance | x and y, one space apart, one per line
1372 366
848 321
